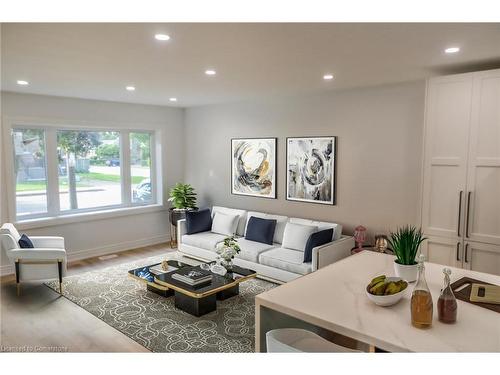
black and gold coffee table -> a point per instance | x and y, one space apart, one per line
195 300
200 300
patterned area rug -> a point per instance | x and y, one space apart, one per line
154 322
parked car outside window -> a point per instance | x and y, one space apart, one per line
142 193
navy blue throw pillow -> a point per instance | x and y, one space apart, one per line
198 221
260 230
317 239
25 242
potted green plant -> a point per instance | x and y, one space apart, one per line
183 198
405 243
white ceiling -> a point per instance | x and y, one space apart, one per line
97 61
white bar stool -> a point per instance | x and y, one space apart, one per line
295 340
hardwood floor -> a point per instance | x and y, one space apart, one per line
41 320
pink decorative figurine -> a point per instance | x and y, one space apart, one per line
360 236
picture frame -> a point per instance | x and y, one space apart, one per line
253 167
311 169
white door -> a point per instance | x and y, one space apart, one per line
482 257
445 155
483 185
446 251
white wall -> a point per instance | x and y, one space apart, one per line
379 132
88 238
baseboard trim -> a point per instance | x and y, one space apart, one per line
102 250
114 248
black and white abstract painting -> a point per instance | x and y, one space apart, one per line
254 167
311 169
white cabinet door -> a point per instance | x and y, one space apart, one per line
446 251
482 257
447 126
483 185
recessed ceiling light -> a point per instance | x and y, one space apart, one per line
130 88
162 37
22 83
210 72
173 99
452 50
328 77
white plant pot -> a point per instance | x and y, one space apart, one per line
408 273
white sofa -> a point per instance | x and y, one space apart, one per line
272 262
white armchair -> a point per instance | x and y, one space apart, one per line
47 260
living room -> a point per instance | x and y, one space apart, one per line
188 187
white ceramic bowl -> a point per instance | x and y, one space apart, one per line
388 300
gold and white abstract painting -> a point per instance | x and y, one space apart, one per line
253 165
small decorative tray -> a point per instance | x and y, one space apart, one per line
462 289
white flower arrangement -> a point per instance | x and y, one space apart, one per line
227 249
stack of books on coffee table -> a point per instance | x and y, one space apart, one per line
193 276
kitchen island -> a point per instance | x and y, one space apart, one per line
333 303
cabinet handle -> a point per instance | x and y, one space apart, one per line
458 251
466 248
459 211
467 216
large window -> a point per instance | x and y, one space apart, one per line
30 171
81 170
89 169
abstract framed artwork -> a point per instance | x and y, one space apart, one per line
311 164
253 167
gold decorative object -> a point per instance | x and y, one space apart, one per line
164 265
381 242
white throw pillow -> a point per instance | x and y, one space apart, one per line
322 225
240 229
225 224
296 236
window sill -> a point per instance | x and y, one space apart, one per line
87 216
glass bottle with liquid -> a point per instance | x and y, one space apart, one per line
447 303
421 299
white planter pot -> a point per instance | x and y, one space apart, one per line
408 273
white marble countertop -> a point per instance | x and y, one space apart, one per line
334 298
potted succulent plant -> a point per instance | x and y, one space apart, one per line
183 198
405 243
